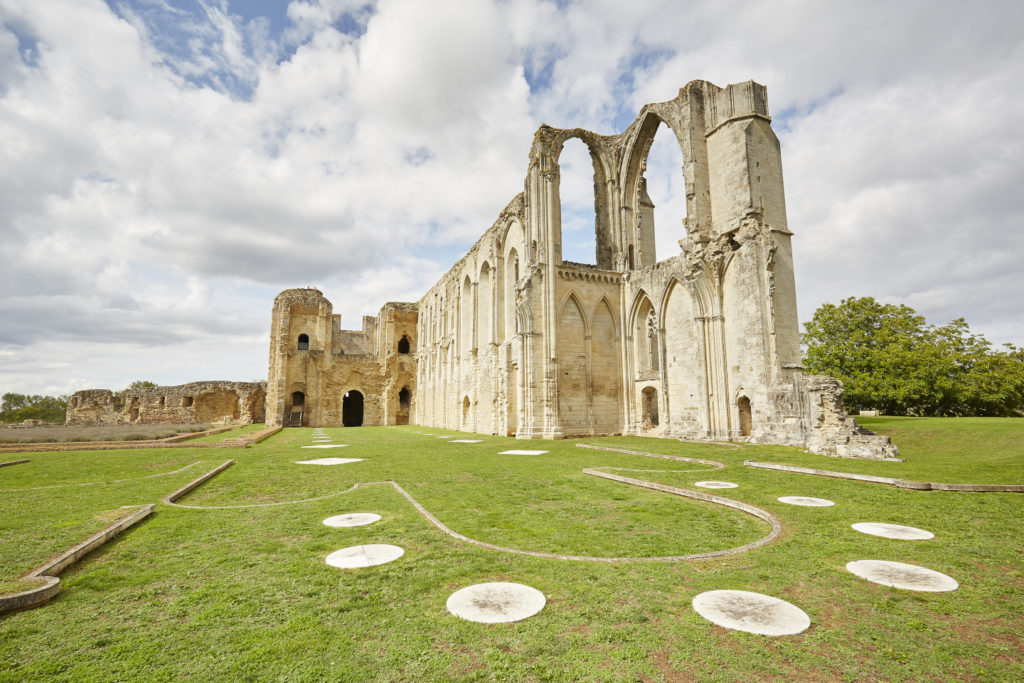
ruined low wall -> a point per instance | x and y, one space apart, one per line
193 403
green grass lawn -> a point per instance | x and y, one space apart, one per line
244 593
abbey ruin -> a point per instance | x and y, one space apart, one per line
514 340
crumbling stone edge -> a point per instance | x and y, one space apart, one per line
13 462
50 571
714 464
195 483
899 483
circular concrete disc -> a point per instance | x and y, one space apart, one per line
326 445
716 484
904 533
328 461
352 519
522 452
495 603
751 612
359 556
466 441
899 575
807 501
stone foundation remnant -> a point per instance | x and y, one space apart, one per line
194 403
513 340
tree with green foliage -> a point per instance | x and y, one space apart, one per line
21 407
890 359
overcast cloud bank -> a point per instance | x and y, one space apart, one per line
168 167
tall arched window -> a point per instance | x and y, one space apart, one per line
403 344
483 306
303 342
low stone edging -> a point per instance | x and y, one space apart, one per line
177 441
899 483
170 498
714 464
13 462
50 570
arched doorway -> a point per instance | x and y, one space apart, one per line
650 407
404 406
746 419
352 409
297 409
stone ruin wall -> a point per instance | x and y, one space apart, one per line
701 344
313 384
194 403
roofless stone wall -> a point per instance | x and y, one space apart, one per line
193 403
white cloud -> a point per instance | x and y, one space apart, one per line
164 171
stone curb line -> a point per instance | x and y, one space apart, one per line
743 507
50 570
711 463
170 498
899 483
13 462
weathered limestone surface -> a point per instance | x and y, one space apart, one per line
197 402
322 375
702 344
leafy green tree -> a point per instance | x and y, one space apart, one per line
890 359
141 384
21 407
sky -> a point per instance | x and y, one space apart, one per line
168 166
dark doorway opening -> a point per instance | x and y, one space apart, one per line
404 406
746 419
303 342
650 407
352 409
403 345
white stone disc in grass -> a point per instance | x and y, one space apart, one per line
899 575
751 612
327 445
328 461
520 452
716 484
359 556
466 441
446 437
352 519
807 501
898 531
495 603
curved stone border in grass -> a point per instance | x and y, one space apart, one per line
100 483
713 464
707 497
900 483
13 462
33 597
